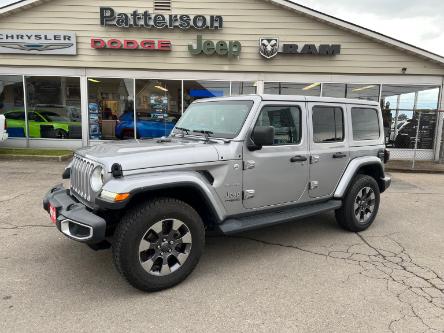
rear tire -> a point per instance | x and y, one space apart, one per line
61 134
360 205
158 243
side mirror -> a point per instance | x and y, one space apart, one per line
261 136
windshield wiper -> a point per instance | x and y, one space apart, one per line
184 130
207 134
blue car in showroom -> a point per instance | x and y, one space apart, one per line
153 126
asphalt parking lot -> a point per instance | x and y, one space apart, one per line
306 276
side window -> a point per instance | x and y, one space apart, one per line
34 117
365 124
15 115
328 124
286 121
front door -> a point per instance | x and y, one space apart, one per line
278 174
329 148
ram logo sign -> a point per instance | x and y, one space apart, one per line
61 43
268 47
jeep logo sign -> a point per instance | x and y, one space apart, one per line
269 48
222 48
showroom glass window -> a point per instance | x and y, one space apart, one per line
368 92
408 110
204 89
243 88
365 124
286 121
53 107
12 104
111 108
158 107
288 88
328 124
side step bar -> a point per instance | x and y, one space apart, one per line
231 226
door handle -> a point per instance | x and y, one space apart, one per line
298 158
339 155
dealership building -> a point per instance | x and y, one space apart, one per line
78 73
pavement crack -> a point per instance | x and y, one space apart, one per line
11 226
419 288
12 198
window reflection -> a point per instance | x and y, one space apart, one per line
110 102
243 88
12 104
408 111
158 107
288 88
357 91
53 107
204 89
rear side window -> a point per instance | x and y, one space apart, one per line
15 115
365 124
286 121
328 124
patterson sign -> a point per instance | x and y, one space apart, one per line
136 19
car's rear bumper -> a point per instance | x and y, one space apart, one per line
73 218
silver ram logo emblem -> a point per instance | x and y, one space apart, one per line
268 47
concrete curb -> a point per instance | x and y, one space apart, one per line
61 158
425 171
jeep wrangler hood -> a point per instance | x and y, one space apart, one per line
141 154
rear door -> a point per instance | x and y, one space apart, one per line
329 147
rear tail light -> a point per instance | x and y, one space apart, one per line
386 156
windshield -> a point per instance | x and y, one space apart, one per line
224 119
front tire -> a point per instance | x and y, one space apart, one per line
157 244
360 205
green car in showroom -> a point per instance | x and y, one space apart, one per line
42 124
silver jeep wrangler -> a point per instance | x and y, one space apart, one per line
230 165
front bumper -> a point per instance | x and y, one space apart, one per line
385 183
4 136
74 219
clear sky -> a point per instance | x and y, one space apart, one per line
420 23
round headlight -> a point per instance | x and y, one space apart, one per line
96 180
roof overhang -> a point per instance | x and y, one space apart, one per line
19 5
359 30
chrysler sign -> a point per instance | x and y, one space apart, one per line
38 42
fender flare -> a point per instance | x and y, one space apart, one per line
352 170
138 183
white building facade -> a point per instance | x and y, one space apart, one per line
79 73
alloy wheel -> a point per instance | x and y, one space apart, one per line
165 247
364 204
